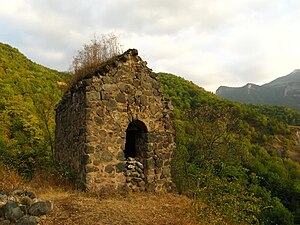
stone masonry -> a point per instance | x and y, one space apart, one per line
115 128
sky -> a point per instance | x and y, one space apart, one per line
209 42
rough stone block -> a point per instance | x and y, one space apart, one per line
109 87
121 97
106 156
91 168
85 159
158 163
112 104
109 169
92 96
121 167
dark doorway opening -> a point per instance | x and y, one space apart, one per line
135 139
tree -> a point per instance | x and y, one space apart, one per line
214 135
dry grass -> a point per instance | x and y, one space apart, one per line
136 208
294 154
294 151
75 207
10 180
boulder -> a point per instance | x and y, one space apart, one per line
40 208
4 222
3 199
28 220
12 211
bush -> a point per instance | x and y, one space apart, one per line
276 214
9 179
92 55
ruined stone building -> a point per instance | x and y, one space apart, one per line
115 128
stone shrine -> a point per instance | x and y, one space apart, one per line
115 128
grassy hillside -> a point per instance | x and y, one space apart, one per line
234 157
29 93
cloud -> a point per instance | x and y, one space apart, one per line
212 42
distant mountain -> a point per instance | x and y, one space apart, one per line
283 91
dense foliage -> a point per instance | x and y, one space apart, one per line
233 157
280 113
29 93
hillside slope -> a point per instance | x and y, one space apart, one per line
235 152
283 91
29 93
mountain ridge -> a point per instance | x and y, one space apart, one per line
283 91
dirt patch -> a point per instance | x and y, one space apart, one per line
136 208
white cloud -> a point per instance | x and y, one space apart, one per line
212 42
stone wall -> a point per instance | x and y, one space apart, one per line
71 130
115 112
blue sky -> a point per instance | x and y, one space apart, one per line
212 43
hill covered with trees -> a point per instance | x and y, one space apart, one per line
234 157
29 93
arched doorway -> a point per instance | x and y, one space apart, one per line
136 137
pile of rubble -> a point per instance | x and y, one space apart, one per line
22 207
135 177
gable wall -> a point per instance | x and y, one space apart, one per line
121 92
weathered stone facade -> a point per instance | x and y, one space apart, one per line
115 128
